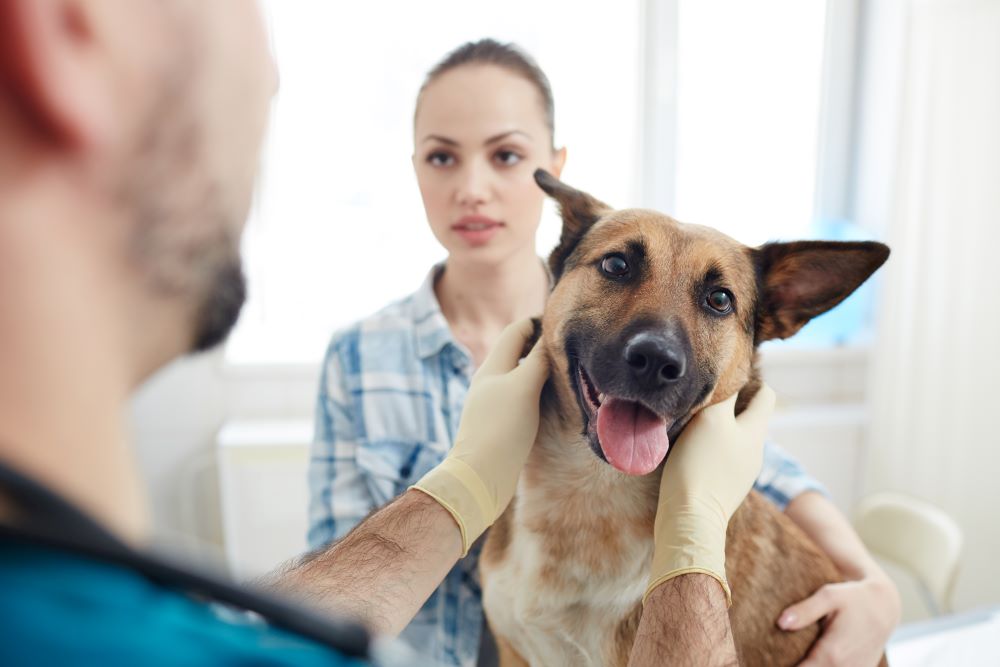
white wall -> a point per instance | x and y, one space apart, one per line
176 418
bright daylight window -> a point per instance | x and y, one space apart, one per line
748 107
338 228
750 98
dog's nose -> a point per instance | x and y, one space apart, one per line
655 360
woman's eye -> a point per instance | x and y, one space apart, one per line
720 301
440 159
614 266
508 158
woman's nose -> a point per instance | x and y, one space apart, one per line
474 185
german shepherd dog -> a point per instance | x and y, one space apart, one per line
649 321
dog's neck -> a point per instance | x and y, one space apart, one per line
562 468
578 511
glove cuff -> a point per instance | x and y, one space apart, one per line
688 542
461 491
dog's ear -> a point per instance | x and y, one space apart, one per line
579 212
798 281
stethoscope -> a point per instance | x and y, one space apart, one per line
45 519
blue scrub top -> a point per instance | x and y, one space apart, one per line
60 608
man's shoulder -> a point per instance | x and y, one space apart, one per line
58 606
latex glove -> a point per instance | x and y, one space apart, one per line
857 618
476 481
705 479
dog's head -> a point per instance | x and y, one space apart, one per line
651 320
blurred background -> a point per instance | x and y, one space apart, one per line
776 119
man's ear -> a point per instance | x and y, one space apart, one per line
798 281
579 212
54 71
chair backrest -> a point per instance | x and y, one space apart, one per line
917 536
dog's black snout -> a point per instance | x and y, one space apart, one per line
655 360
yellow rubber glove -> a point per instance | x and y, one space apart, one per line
477 479
705 479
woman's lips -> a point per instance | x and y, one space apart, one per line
476 230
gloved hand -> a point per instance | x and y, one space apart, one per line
705 479
477 479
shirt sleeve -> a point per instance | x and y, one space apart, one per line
782 478
339 495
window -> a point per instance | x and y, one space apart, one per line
748 109
338 228
720 112
764 102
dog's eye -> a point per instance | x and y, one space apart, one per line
614 266
720 301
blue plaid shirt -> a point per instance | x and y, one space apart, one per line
389 403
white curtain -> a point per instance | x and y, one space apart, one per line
930 178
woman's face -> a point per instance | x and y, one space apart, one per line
479 135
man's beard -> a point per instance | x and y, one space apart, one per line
204 270
220 306
185 236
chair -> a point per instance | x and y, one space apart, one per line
917 536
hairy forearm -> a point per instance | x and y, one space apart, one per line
384 570
830 530
685 622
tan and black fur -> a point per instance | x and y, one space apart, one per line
565 567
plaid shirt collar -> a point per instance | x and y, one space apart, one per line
433 333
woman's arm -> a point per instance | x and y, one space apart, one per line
782 478
860 613
831 531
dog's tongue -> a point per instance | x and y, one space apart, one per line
634 439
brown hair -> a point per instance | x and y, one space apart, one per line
508 56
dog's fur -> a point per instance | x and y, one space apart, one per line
565 567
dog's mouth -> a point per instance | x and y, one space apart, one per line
625 433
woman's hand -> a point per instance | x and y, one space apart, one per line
857 618
857 615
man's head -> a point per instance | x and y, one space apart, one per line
146 116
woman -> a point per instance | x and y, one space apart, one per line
393 384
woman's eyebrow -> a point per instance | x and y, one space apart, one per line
443 140
492 140
504 135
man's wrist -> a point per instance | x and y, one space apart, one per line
658 582
689 540
459 490
706 585
685 622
